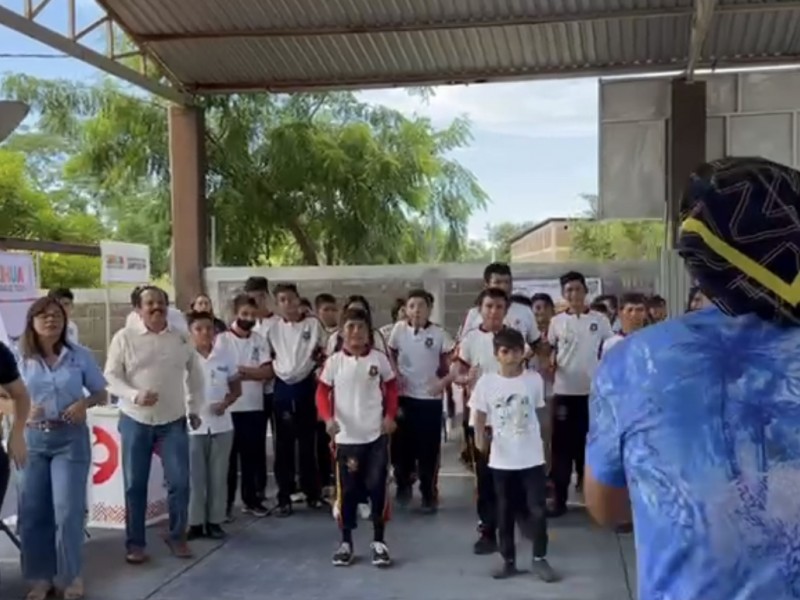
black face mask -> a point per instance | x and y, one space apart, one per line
245 324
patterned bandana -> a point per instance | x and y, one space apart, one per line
740 237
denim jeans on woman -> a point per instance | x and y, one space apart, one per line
52 503
139 441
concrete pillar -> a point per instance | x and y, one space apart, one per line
189 215
687 143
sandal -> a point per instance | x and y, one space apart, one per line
40 590
74 591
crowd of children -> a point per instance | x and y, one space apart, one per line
324 378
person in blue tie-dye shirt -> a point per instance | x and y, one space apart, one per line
695 422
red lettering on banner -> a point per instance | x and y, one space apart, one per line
106 469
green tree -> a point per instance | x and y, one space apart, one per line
29 213
500 236
303 179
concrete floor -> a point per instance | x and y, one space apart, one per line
290 559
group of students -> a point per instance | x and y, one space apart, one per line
324 378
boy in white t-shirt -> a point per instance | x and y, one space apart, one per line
421 350
512 400
632 316
254 366
210 444
357 399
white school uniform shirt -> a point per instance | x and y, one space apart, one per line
219 369
609 343
356 382
576 339
476 349
72 332
295 346
510 404
250 351
419 353
262 327
519 317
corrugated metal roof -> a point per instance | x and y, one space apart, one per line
208 45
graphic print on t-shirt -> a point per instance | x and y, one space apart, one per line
511 414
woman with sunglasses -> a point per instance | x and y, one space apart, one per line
52 503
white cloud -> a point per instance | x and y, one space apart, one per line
556 108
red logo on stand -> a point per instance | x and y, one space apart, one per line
106 469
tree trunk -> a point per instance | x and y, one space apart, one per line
306 245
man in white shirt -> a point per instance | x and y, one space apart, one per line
158 378
519 316
632 316
66 298
512 400
298 344
575 336
421 351
254 367
210 444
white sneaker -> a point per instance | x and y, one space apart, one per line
380 554
364 512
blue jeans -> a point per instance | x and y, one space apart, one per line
52 503
138 442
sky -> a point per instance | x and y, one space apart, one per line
534 147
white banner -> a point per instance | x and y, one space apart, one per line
529 287
18 290
125 263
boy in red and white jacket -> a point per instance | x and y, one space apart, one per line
357 399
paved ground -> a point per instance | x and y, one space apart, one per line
285 559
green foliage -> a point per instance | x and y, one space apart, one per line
302 179
500 236
31 213
617 240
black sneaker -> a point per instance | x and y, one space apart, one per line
215 532
428 507
380 554
283 511
343 557
543 570
195 532
257 510
508 570
486 544
404 496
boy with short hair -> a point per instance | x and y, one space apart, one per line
357 398
254 366
327 312
421 350
512 400
298 343
210 444
66 299
632 316
476 356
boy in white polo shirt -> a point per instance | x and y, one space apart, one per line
421 351
357 399
575 336
210 444
513 401
253 358
298 342
476 356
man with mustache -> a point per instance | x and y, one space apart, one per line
148 362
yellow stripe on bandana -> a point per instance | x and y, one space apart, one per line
789 292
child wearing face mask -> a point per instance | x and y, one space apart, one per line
254 360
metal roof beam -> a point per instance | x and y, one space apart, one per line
32 29
701 24
496 76
509 21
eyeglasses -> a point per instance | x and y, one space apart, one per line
55 316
